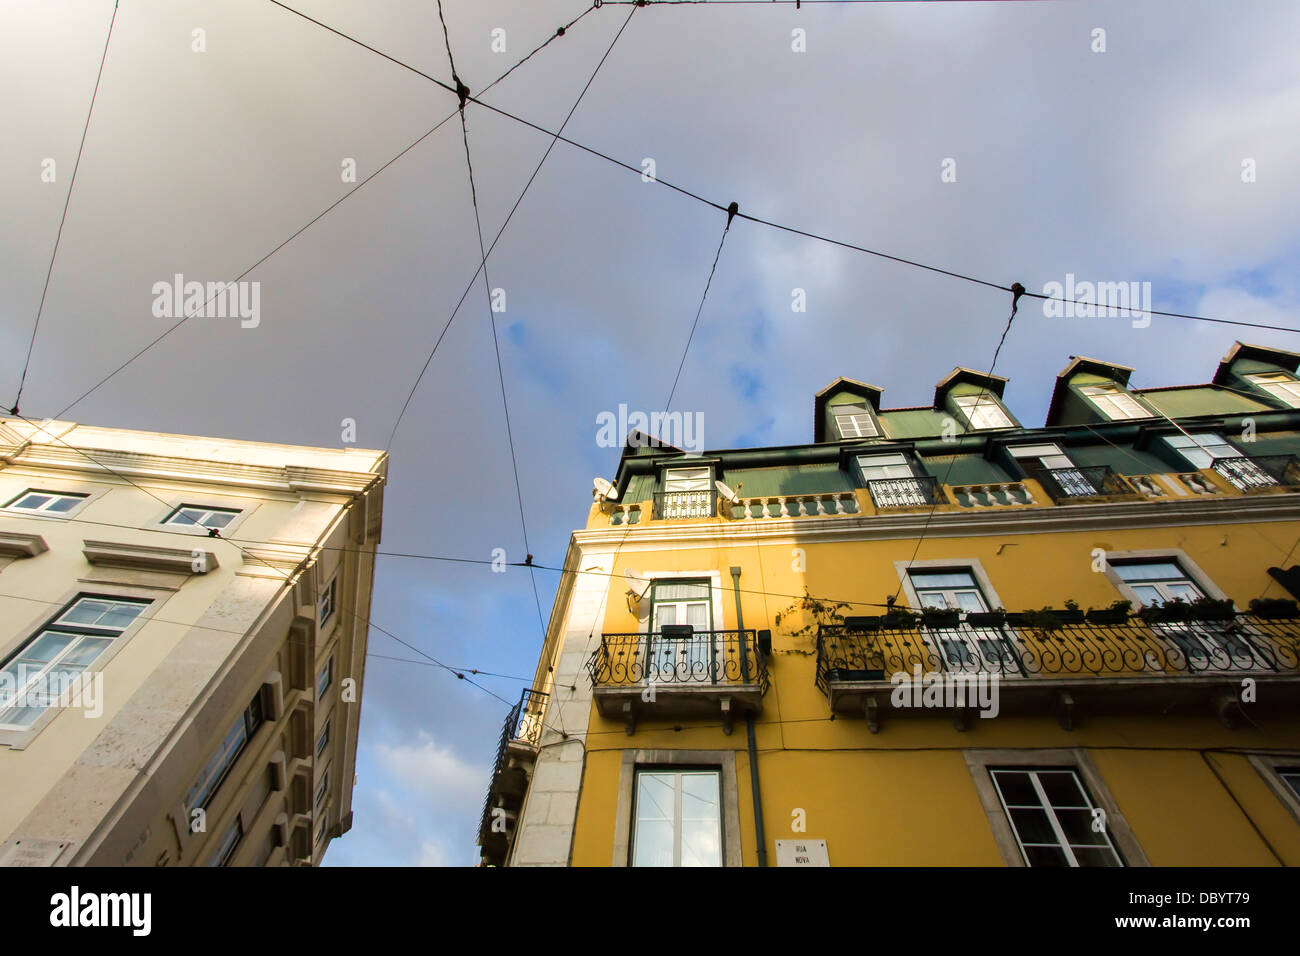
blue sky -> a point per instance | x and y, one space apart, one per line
1115 166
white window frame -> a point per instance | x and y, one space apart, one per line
686 760
893 465
205 512
1115 404
979 409
691 482
1285 388
326 673
854 421
1200 445
78 499
81 635
1045 805
328 601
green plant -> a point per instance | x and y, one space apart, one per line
821 612
1071 604
1044 619
1121 606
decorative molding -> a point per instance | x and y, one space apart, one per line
144 557
1214 510
16 544
273 561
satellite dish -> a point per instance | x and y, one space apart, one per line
730 496
639 585
603 489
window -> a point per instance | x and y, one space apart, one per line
327 600
1291 777
325 678
854 421
323 740
1281 386
229 842
875 467
677 818
46 502
321 829
1202 643
1115 403
322 788
983 411
1048 456
1202 448
1073 482
687 479
965 648
219 765
49 664
948 589
678 655
1052 817
193 516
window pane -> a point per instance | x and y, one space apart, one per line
1034 451
1032 826
942 579
1046 856
1096 856
681 592
187 516
87 651
1062 788
47 646
219 519
64 503
1150 571
1078 828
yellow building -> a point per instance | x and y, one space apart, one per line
183 627
933 636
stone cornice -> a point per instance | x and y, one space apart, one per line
16 544
135 465
1210 509
144 557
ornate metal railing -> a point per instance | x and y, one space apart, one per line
1266 471
1064 484
523 725
685 504
876 651
905 492
678 656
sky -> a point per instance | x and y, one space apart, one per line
1169 157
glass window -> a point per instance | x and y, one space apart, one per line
46 502
1115 403
1049 456
875 467
37 674
220 763
687 479
1280 385
1202 448
325 678
677 820
677 658
983 411
1155 582
322 788
229 842
327 601
854 421
1291 777
1052 818
193 516
323 740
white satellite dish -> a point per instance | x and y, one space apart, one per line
603 489
728 495
639 585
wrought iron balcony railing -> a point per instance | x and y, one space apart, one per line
905 492
875 652
1066 484
678 657
685 504
523 725
1266 471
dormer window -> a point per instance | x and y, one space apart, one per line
688 493
983 411
1281 386
687 479
854 421
1115 403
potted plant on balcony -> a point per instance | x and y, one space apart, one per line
1044 619
940 617
996 618
1213 609
1071 614
1271 609
900 619
1117 613
1175 609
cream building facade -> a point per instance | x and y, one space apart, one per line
183 630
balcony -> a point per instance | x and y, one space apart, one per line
1267 472
1071 485
685 504
916 492
1069 668
678 672
516 751
994 494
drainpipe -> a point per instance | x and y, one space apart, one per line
749 733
